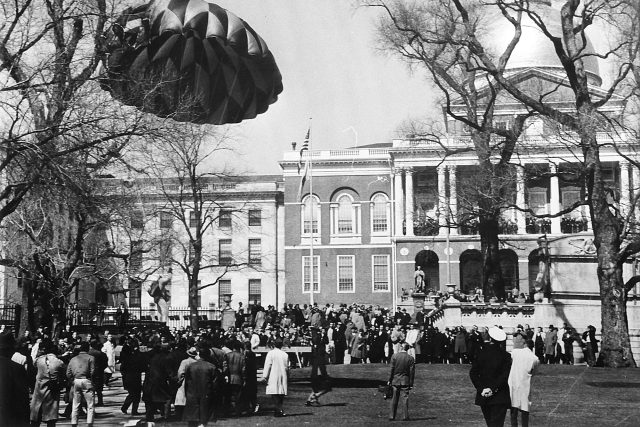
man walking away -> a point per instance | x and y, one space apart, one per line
522 369
401 379
320 384
237 375
276 374
490 374
46 392
80 371
199 379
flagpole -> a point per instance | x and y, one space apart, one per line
309 153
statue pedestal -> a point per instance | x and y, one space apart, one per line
228 318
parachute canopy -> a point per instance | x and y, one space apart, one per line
190 60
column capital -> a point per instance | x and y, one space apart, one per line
452 169
553 167
396 170
409 170
442 169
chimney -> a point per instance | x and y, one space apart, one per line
293 146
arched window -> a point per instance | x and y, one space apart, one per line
429 263
470 270
380 214
310 215
345 216
509 269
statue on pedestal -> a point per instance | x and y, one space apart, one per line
418 278
160 293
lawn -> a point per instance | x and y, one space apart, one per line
443 395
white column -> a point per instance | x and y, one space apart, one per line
442 200
408 184
399 200
453 198
624 187
555 198
521 219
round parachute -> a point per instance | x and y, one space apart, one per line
190 60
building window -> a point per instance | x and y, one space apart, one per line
166 220
379 214
137 220
255 292
164 255
306 274
310 215
345 216
224 219
255 217
225 256
135 294
255 252
193 220
224 287
381 279
538 200
346 273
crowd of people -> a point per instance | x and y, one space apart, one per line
197 375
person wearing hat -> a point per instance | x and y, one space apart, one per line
490 374
550 345
181 398
14 388
50 378
320 384
276 375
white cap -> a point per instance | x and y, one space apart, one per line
497 334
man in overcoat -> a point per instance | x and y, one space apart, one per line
403 370
50 378
14 388
490 374
199 379
276 374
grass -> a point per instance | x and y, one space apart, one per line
443 396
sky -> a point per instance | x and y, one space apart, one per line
333 74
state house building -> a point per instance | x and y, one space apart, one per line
378 211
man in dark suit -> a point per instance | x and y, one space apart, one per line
199 379
320 384
14 388
490 375
237 375
403 370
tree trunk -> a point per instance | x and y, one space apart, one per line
493 284
615 348
193 302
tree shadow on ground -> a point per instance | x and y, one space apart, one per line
346 382
613 384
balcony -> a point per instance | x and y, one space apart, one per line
538 225
569 225
425 227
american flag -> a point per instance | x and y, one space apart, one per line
305 147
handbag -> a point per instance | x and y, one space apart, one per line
386 390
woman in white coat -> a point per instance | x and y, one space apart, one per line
109 349
523 365
276 374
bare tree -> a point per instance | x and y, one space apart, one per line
191 196
456 27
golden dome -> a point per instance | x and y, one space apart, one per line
535 50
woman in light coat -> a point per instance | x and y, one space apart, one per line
110 350
46 392
276 374
524 363
181 398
